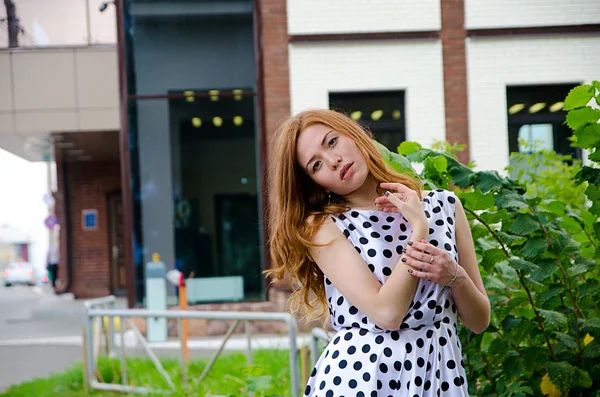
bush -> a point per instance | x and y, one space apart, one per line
537 246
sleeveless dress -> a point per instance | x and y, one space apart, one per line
423 356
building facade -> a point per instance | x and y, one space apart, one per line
175 134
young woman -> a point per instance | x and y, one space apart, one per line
394 265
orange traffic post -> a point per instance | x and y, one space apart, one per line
184 322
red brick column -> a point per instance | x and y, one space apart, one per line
274 91
453 35
274 48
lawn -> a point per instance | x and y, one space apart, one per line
231 376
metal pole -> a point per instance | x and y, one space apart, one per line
111 331
151 354
293 359
122 354
214 357
182 351
86 380
249 339
89 337
316 334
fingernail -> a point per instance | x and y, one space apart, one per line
404 251
410 243
386 193
403 259
410 270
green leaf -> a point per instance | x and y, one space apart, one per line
510 199
556 207
491 217
579 117
592 350
408 147
553 318
534 247
524 225
461 175
565 376
498 348
513 366
476 200
522 265
487 181
397 161
578 97
535 357
491 257
491 282
593 323
588 137
566 339
258 383
546 269
517 329
510 238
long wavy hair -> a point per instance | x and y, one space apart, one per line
298 206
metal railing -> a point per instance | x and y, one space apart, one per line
316 335
93 314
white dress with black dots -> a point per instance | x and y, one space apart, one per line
423 357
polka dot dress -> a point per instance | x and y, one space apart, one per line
423 357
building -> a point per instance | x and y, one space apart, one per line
161 143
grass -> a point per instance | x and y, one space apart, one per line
230 376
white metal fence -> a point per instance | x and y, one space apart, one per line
98 309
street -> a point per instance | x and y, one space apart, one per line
30 319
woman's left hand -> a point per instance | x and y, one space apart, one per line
430 263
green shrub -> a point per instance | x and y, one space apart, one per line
536 240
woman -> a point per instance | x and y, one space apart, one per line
365 242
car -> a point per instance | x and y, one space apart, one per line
19 273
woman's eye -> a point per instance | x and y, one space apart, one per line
316 165
332 141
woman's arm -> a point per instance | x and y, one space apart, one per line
386 305
468 291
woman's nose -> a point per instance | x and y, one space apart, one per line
334 161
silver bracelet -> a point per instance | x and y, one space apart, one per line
453 278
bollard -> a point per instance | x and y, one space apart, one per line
156 299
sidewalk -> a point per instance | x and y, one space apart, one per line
235 343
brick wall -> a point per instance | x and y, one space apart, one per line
359 16
276 86
455 75
88 185
275 72
482 14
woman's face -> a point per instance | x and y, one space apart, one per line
331 159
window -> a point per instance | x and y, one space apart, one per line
535 116
381 112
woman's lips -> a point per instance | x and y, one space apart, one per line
346 171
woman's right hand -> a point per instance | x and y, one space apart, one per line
400 198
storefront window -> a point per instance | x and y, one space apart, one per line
193 145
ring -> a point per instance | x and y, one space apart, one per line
431 260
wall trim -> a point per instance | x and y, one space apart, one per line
535 30
375 36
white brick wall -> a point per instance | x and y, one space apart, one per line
493 64
360 16
480 14
413 66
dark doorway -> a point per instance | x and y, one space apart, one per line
116 248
